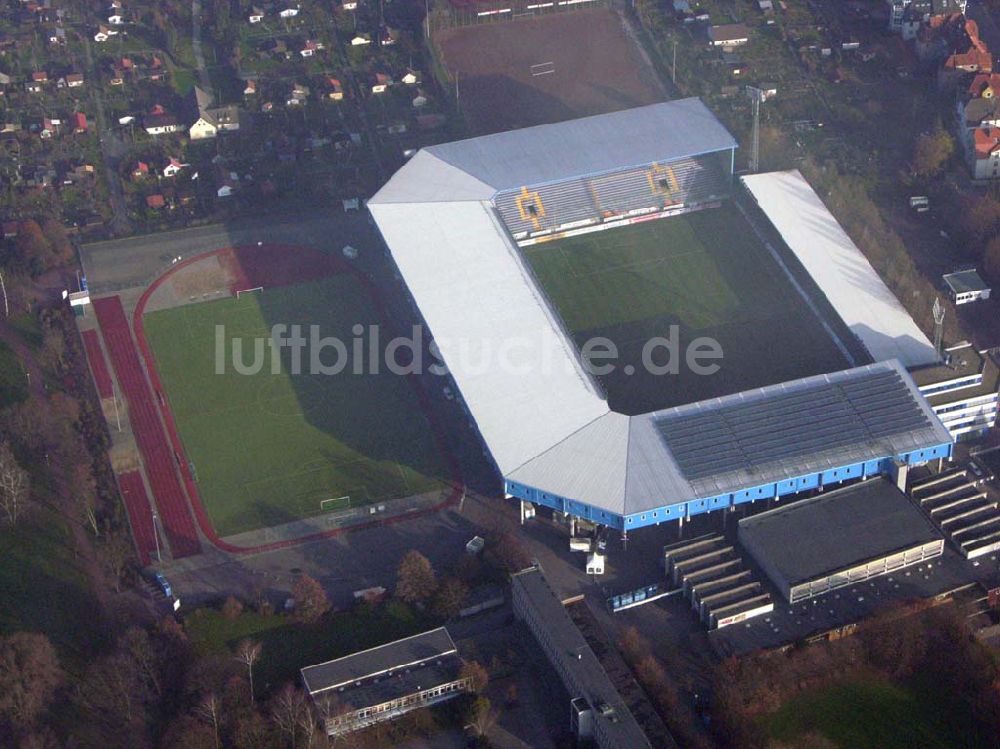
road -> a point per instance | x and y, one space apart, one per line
112 149
125 263
199 57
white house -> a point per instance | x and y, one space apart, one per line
256 15
966 286
360 40
173 167
288 13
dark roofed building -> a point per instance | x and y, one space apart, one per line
384 682
813 546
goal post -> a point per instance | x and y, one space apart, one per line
335 503
240 292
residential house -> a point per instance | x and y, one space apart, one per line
349 4
141 170
985 156
298 96
79 122
975 59
310 48
228 182
5 80
256 15
104 33
161 124
116 19
117 77
387 37
49 128
287 13
359 40
410 77
335 90
155 201
10 229
380 83
212 121
57 36
250 88
729 35
74 80
173 167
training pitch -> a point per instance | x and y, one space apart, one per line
266 448
532 71
706 273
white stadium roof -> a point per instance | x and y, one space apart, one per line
545 421
843 273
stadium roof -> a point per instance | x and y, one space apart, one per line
841 529
713 447
842 272
544 418
478 168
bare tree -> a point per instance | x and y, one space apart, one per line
115 553
248 653
208 709
287 709
14 485
484 715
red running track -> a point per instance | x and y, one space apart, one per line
159 458
139 515
98 364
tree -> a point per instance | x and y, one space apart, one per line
477 675
248 653
991 259
484 715
30 674
931 152
449 597
310 599
32 246
288 710
209 710
232 608
507 549
115 553
415 581
60 249
14 485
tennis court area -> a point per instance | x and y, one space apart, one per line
269 448
706 273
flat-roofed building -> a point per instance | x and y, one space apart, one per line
839 538
597 711
385 682
966 286
962 390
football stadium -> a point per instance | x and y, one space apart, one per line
748 349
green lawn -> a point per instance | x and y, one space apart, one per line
267 448
288 647
871 714
705 272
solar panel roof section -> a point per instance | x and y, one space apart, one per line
773 433
589 145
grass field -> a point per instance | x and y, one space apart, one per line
870 714
705 272
268 448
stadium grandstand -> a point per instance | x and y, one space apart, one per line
458 220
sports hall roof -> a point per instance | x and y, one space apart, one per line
545 420
477 168
843 273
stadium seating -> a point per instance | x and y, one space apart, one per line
591 200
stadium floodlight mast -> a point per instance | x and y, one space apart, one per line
938 311
757 97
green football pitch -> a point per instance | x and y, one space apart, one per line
269 448
705 272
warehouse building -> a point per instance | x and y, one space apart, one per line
839 538
385 682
